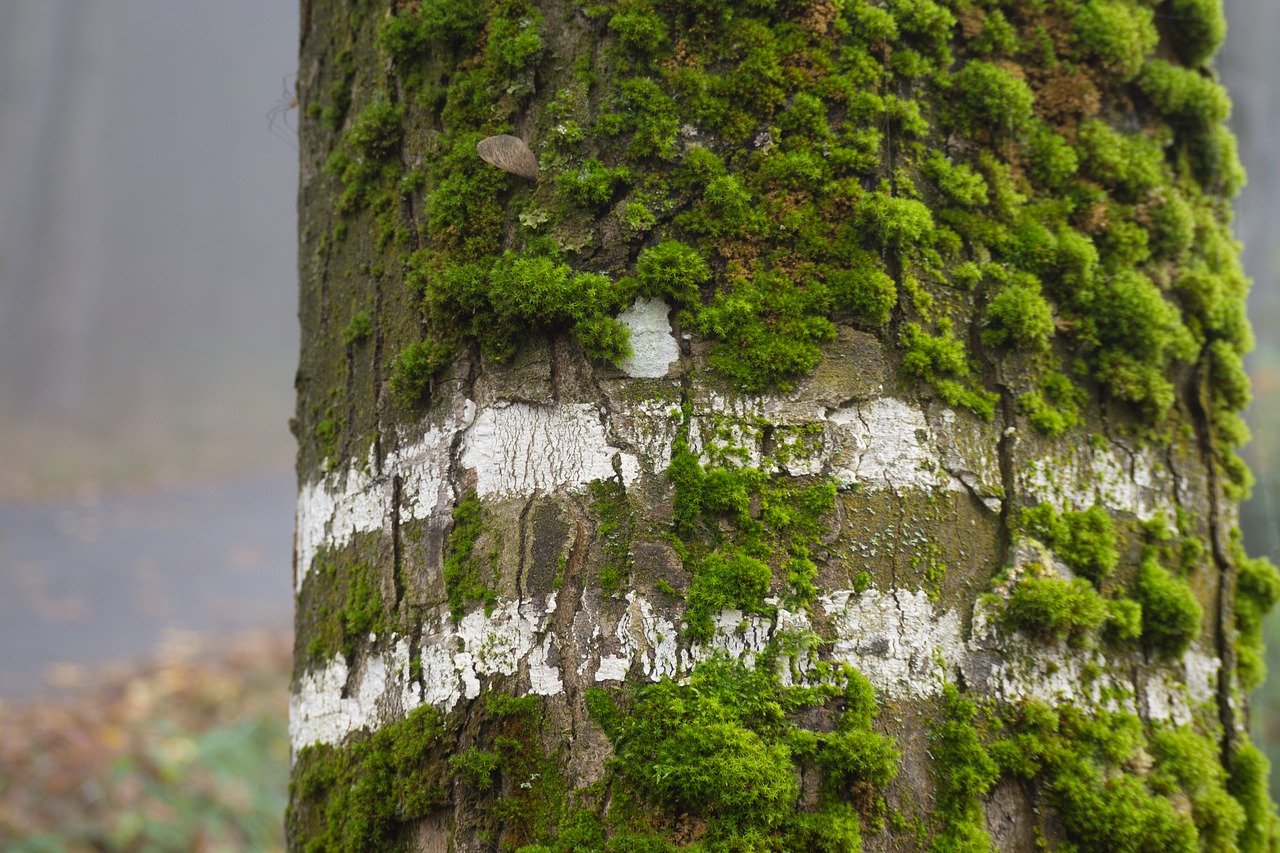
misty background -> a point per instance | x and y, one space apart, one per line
148 332
147 242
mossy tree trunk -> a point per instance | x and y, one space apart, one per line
832 446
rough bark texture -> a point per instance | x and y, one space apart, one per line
833 446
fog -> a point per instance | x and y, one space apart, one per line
147 274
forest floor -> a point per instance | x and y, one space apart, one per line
188 751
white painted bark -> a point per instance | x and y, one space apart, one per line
907 646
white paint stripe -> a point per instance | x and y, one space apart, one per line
332 511
515 449
898 639
1083 475
519 449
887 444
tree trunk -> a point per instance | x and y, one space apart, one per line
831 445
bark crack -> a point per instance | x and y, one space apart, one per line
1005 447
524 544
377 375
397 556
1224 617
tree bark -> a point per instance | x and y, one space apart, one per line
831 446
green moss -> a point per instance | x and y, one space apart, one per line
638 28
775 171
533 804
930 357
726 748
958 182
724 210
337 92
1050 607
342 607
1084 539
415 367
463 213
358 328
739 525
1197 28
377 131
863 289
1172 226
823 128
477 766
926 28
593 184
366 162
614 531
1171 615
895 223
408 36
1131 165
766 329
963 774
499 300
1138 335
990 100
1188 98
1257 590
327 435
998 35
1188 762
1247 782
942 361
1229 383
514 44
649 114
369 793
637 219
1076 759
1053 407
1124 619
373 791
726 580
672 270
467 576
1052 161
1118 35
1018 315
1216 161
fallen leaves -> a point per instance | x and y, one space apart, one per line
186 752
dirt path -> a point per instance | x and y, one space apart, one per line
110 577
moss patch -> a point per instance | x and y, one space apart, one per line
468 576
737 526
1171 614
1117 785
614 530
341 605
1257 590
1084 539
963 774
369 793
1053 608
797 170
725 749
